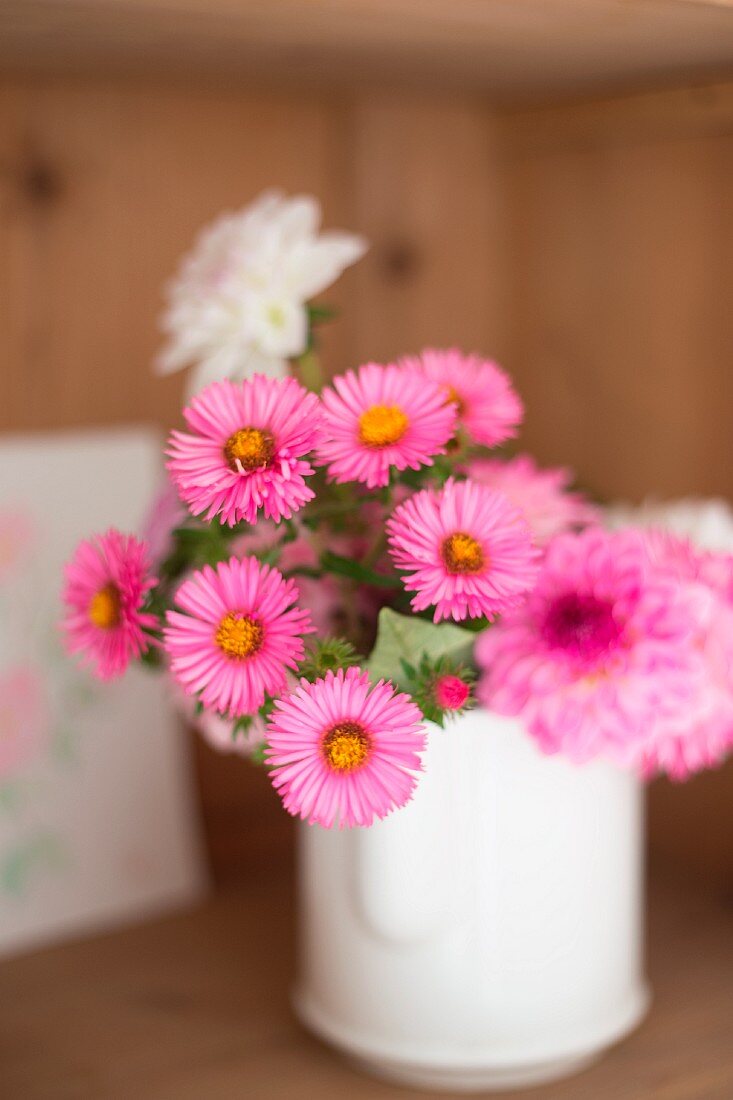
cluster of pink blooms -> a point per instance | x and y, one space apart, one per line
608 644
624 650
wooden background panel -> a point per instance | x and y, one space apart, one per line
622 333
103 186
427 186
622 318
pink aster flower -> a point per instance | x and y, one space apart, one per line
489 408
343 751
465 548
236 635
700 735
107 582
382 418
543 495
602 649
247 453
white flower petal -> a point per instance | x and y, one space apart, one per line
280 326
707 523
313 265
240 295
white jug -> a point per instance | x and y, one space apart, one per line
488 935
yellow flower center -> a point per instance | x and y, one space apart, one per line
462 554
346 746
382 425
249 449
239 636
276 315
104 609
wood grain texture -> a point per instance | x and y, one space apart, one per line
428 194
622 258
198 1006
103 186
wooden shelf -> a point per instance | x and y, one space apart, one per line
505 47
196 1006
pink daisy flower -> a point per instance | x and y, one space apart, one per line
236 635
543 495
379 419
247 453
701 735
466 549
344 752
107 582
600 651
489 408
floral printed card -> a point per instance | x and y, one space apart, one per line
97 815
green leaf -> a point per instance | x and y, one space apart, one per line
152 658
258 754
317 313
242 725
346 567
407 638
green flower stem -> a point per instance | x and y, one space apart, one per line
377 548
331 509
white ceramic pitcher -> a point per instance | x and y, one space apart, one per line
489 934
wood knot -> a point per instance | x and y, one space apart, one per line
401 260
41 182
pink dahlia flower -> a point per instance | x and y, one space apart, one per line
107 582
465 548
489 408
602 649
543 495
247 453
700 735
344 752
236 635
382 418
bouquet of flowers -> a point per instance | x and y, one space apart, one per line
335 561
